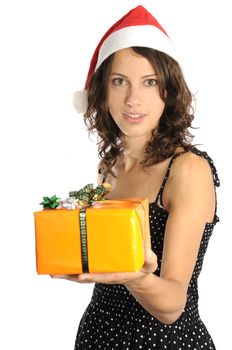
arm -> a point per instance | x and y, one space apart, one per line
190 194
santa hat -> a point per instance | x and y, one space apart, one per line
137 28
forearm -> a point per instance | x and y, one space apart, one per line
163 299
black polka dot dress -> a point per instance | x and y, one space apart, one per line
115 320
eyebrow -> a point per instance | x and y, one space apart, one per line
144 76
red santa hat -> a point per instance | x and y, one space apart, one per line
137 28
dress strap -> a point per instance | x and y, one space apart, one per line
211 164
160 193
104 178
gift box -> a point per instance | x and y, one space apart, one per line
113 240
108 236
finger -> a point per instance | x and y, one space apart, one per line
150 262
109 278
59 276
73 277
99 278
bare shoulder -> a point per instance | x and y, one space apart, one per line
190 165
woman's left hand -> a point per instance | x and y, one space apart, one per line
149 266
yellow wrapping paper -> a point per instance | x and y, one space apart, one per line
117 231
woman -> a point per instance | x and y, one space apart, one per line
140 106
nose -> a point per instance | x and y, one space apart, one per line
133 97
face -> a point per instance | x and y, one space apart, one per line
134 101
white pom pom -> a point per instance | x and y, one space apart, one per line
80 101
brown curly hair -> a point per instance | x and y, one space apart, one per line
172 131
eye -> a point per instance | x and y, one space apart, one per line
151 82
118 81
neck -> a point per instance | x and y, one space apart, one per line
133 152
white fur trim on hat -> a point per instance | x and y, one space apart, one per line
143 35
80 101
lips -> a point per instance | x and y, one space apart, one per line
134 118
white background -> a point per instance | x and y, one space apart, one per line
46 46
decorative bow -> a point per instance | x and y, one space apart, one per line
88 194
50 202
82 198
